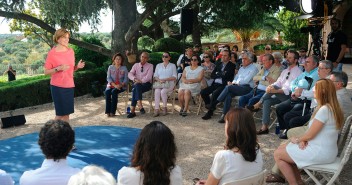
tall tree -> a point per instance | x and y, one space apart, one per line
292 27
244 16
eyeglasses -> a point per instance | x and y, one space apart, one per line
267 49
288 75
142 69
194 59
165 56
205 56
320 68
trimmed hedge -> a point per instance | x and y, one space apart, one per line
273 47
167 44
35 91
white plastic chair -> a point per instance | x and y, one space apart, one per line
330 172
257 179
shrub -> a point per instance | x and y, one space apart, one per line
36 90
167 44
90 56
273 47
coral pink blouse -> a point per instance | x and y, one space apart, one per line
54 59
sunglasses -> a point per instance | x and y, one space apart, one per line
205 56
288 75
165 56
142 69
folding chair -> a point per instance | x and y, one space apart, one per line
331 171
272 114
124 96
257 179
200 102
148 95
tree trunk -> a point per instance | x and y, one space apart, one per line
125 12
246 42
196 26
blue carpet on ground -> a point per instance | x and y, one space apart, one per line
107 146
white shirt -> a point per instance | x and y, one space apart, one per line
163 72
229 166
132 176
50 173
5 179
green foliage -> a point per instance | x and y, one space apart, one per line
292 28
145 42
167 44
36 90
226 35
237 14
273 47
90 56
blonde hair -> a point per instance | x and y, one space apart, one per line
325 92
209 54
92 175
60 33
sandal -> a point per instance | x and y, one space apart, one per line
273 178
195 181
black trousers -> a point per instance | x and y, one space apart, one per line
215 89
289 113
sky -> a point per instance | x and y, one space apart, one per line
105 25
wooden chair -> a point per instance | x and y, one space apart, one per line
330 172
257 179
122 96
125 97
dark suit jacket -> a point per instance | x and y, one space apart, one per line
226 75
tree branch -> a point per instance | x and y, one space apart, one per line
135 26
170 14
48 28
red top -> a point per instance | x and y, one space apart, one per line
54 59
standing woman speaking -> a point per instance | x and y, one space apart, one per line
60 64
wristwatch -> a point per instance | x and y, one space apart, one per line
56 70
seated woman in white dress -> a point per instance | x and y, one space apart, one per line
319 144
241 157
190 84
165 73
153 159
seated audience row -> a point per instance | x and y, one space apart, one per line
153 159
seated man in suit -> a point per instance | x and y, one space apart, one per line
223 72
240 85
